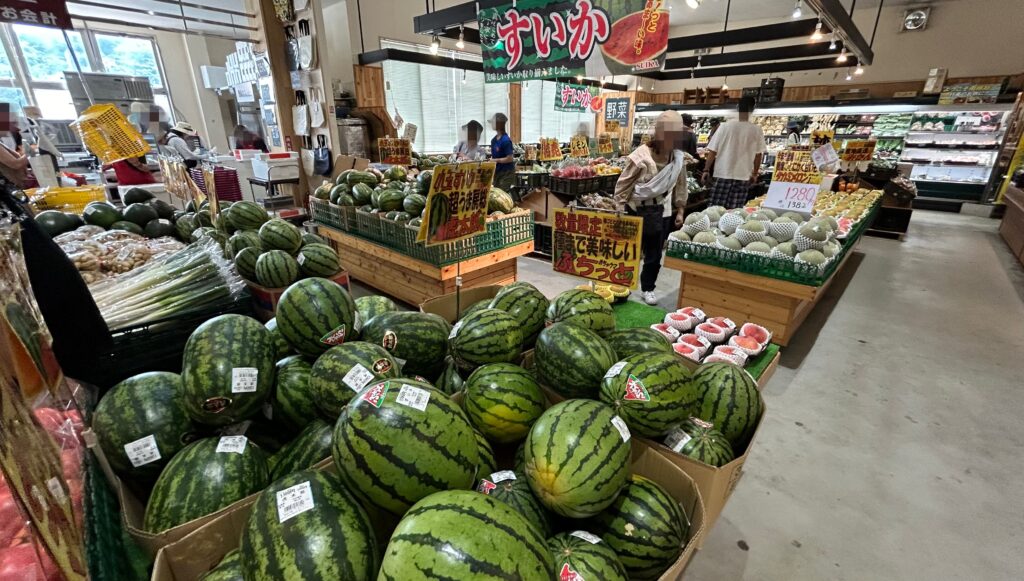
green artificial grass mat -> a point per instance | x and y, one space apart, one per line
758 364
631 314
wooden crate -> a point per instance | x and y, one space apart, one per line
415 281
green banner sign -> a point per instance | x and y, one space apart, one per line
577 98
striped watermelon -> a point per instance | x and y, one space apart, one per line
502 401
199 480
282 349
528 305
486 336
572 360
216 354
728 399
276 269
332 540
243 239
519 458
700 440
245 263
651 391
371 306
577 457
315 314
513 490
318 260
417 341
393 454
450 381
229 569
488 464
310 238
583 556
294 404
645 527
143 406
278 234
343 371
247 215
461 534
628 342
312 445
481 304
584 308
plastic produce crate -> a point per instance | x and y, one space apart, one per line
341 217
108 135
530 180
575 187
72 200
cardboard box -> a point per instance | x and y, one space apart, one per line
346 162
264 300
544 205
445 305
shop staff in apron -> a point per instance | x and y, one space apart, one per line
653 183
502 153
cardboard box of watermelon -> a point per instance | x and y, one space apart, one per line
264 300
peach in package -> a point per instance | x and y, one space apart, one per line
696 341
680 321
667 331
711 332
727 354
687 350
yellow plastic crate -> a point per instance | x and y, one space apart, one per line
108 135
72 200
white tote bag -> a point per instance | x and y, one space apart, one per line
316 109
300 114
307 46
308 156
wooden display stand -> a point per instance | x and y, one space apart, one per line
415 281
777 305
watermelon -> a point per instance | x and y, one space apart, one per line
627 342
362 177
223 221
502 401
700 440
528 305
414 204
293 404
401 440
513 490
334 194
119 225
519 459
163 209
203 216
371 306
184 226
482 304
311 446
728 399
315 314
582 555
199 480
417 341
651 391
318 260
645 527
361 193
247 215
395 173
332 540
215 354
461 534
278 234
229 569
584 308
276 269
488 464
577 457
281 347
310 238
141 424
140 213
344 370
243 239
102 214
450 381
137 196
486 336
390 200
245 263
572 360
323 191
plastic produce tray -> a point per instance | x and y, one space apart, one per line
530 180
575 187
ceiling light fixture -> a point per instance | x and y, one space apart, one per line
725 84
695 4
859 70
849 77
817 32
579 77
842 56
832 45
798 10
698 62
435 44
461 44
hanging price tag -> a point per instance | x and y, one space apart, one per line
243 379
357 378
235 444
293 501
142 451
414 397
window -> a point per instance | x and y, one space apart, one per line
16 97
129 55
47 55
540 119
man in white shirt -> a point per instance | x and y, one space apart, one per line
734 157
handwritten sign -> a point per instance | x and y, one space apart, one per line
579 146
795 183
550 150
824 156
577 98
457 202
598 246
856 151
820 137
604 144
395 151
612 126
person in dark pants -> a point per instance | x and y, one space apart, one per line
653 183
689 141
734 157
502 153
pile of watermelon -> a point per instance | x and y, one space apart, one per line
143 214
421 418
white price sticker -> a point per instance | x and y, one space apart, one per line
455 329
357 325
243 379
677 439
234 444
615 369
589 537
142 451
414 397
621 426
293 501
56 489
357 378
502 476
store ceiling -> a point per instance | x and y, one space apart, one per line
225 18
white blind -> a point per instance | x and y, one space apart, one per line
540 118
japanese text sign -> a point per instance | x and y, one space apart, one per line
550 150
410 132
856 151
457 202
617 109
824 156
604 144
577 98
541 39
50 13
820 137
795 182
395 151
599 246
579 146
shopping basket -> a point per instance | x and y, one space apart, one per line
108 135
72 200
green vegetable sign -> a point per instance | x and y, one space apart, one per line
541 39
457 203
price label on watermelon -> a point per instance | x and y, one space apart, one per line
455 329
615 369
142 451
621 426
357 378
228 444
357 324
413 397
589 537
502 476
293 501
677 439
243 379
53 484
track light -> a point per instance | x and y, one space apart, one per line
832 45
461 44
798 10
579 77
842 56
859 70
698 62
435 44
695 4
849 77
817 32
725 84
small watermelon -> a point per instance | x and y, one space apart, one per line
245 263
502 401
341 372
318 260
278 234
310 238
513 490
584 308
582 555
699 440
247 215
486 336
450 381
315 314
311 446
728 399
417 341
276 269
373 305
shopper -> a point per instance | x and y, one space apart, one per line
653 183
502 153
468 149
734 158
174 141
246 139
689 143
793 130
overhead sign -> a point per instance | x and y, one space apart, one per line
617 109
49 13
395 151
543 39
598 246
577 98
970 93
457 202
795 183
861 150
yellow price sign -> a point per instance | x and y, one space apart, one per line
579 146
550 150
457 202
598 246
